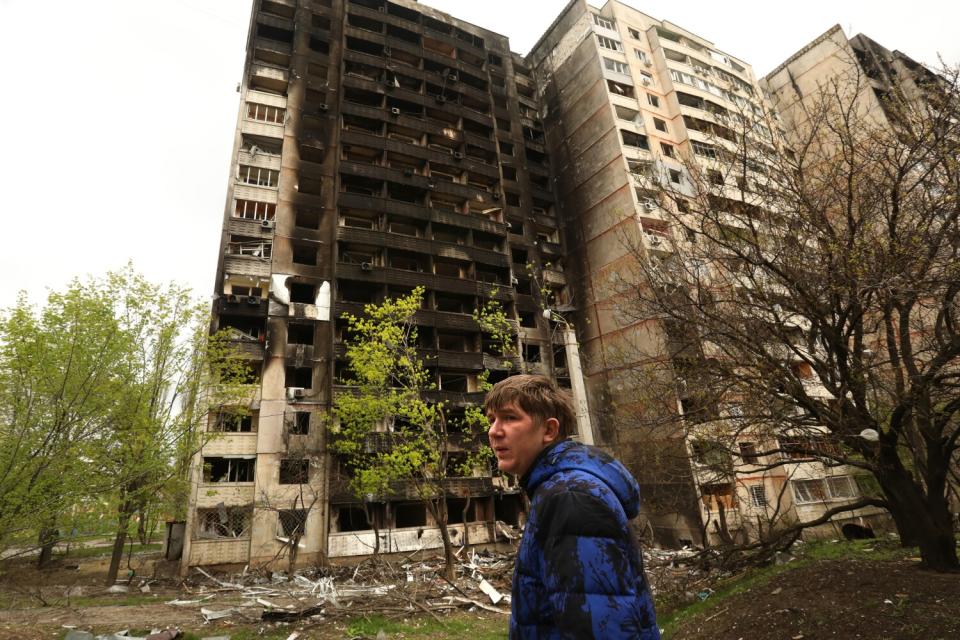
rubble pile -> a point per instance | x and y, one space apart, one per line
376 586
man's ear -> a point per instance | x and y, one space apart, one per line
551 430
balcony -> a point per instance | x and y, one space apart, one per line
246 266
269 77
266 129
231 495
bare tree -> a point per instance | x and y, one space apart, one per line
807 295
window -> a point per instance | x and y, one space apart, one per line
641 56
296 471
668 150
224 522
603 22
675 176
716 178
230 422
705 150
291 523
633 33
619 88
647 79
632 139
299 424
807 491
618 67
660 125
257 176
253 210
607 43
228 469
841 488
748 452
653 100
264 113
717 493
758 495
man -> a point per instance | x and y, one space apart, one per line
579 572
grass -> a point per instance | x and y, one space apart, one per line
131 600
670 618
475 628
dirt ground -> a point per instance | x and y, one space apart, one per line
845 599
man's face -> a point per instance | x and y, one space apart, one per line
517 439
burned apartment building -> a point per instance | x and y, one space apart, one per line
380 146
632 105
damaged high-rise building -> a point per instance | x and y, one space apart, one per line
380 146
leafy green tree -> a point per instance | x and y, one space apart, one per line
390 387
100 394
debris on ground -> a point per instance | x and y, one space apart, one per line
375 586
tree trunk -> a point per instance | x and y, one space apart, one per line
142 531
448 557
372 520
48 537
922 521
123 522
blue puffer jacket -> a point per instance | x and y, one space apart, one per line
579 573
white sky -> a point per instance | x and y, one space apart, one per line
118 115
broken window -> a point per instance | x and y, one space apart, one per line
294 471
717 493
409 514
633 33
668 150
653 100
349 518
633 139
299 377
620 89
660 125
308 218
224 522
231 422
675 176
253 210
299 423
300 334
748 452
292 523
302 293
229 469
305 254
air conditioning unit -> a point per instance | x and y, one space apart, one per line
441 99
646 81
654 240
322 107
452 77
457 155
649 205
387 51
514 281
294 392
394 111
366 266
232 299
299 392
508 225
253 300
267 224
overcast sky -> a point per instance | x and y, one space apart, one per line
118 115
